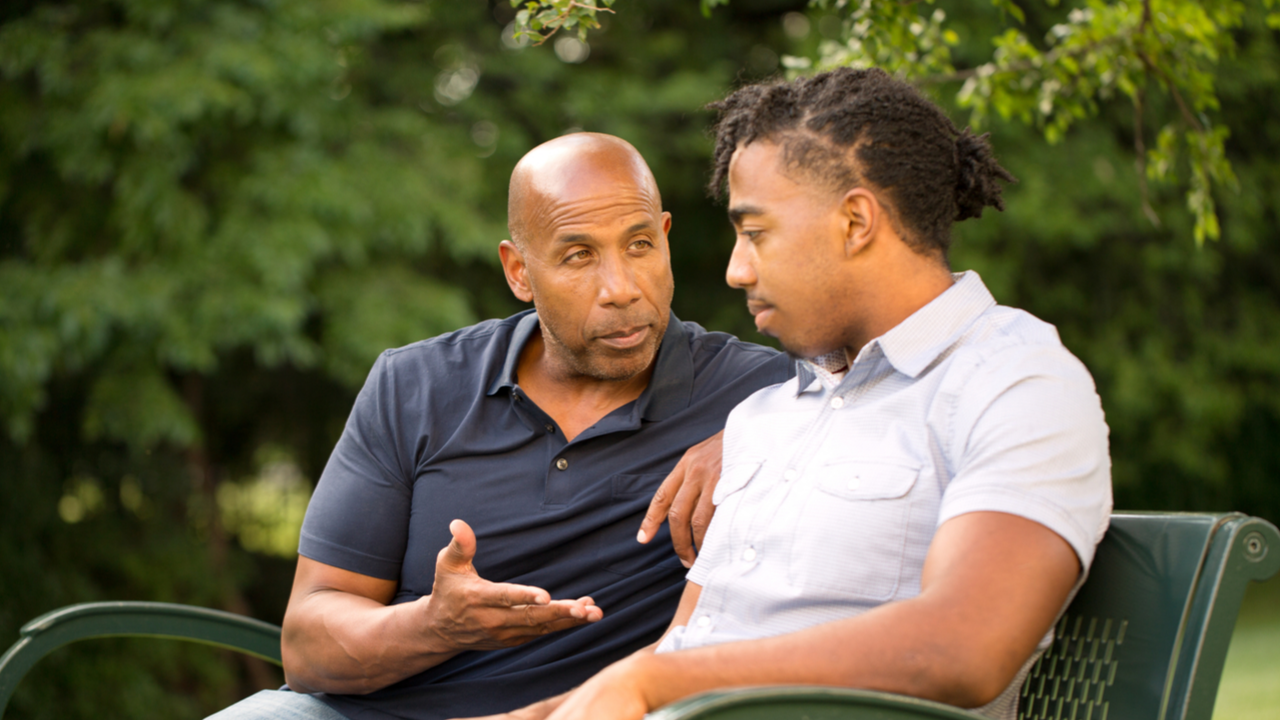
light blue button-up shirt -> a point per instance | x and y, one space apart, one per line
834 485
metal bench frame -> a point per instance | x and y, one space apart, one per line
1145 639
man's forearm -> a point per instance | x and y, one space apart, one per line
886 650
337 642
993 585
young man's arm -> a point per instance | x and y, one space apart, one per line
992 586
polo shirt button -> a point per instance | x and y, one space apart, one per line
551 429
789 475
749 554
562 464
704 621
837 402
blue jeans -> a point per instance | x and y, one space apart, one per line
278 705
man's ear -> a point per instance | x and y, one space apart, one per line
517 272
861 214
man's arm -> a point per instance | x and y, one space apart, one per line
993 584
341 635
543 708
684 499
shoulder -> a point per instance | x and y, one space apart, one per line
469 347
1012 375
713 351
1007 345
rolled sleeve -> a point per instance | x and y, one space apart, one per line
1034 444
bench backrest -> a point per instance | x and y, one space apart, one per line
1147 635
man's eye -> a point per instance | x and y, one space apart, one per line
749 234
580 255
642 244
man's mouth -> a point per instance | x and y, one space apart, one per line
626 338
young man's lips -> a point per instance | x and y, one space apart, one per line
761 311
627 338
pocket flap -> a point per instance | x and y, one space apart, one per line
869 479
735 477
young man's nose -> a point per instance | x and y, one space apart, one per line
740 273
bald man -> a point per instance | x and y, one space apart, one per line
528 449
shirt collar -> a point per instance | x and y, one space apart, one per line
915 343
919 340
670 388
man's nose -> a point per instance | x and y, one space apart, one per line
740 273
618 284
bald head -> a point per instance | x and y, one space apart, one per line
569 167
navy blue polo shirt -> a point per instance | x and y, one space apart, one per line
442 430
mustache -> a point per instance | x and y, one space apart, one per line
623 325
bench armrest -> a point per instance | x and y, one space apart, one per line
807 703
133 619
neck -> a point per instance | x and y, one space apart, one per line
892 291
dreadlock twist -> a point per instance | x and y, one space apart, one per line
903 145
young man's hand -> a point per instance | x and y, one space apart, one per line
616 693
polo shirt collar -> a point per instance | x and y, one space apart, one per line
915 343
670 389
526 326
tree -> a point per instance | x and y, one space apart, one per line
213 216
1094 51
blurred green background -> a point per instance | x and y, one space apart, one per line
214 216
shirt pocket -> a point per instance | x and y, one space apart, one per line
852 532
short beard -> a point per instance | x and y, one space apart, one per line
600 368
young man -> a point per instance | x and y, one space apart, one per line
528 448
914 510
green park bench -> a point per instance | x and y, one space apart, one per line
1145 639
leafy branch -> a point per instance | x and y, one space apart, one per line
539 21
1105 48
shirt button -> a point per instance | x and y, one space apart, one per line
749 554
855 483
551 429
704 621
837 402
789 475
562 464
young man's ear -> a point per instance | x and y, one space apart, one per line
861 214
517 272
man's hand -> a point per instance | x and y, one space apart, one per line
684 499
343 634
468 612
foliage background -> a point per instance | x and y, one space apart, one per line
214 215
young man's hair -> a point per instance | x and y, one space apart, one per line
849 128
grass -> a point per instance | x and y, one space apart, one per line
1250 688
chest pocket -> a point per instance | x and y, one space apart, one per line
853 530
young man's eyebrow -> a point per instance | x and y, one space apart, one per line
737 213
